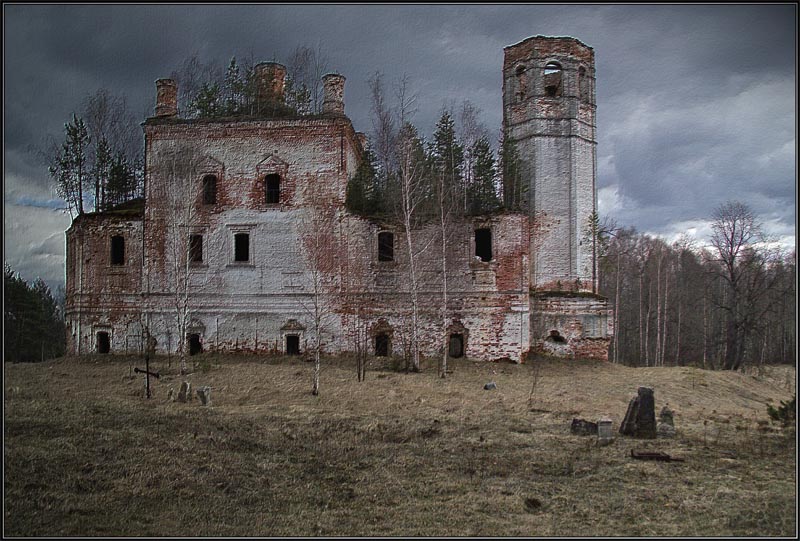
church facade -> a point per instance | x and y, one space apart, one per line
243 243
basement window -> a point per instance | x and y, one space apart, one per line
292 344
552 79
196 248
455 349
195 346
382 345
386 246
103 342
209 190
272 184
117 250
483 244
241 247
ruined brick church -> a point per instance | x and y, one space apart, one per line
214 257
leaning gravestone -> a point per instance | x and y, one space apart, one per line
581 427
204 394
640 419
185 394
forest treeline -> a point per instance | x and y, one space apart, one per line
724 305
33 320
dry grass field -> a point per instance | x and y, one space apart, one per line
86 454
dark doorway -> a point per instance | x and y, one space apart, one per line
382 345
195 346
483 244
456 347
103 342
292 344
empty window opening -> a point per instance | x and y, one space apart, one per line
209 190
195 346
555 336
382 345
273 186
103 342
552 79
483 244
522 82
292 344
117 250
196 248
456 346
242 247
386 246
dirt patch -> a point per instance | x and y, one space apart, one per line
399 454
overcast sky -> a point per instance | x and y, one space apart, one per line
696 105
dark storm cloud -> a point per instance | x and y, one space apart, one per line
696 104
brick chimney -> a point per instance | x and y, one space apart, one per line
333 97
270 78
166 98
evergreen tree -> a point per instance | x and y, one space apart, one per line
514 188
68 167
233 91
363 194
121 181
33 324
482 194
207 102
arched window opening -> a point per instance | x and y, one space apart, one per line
552 79
386 246
209 190
273 189
522 82
117 250
556 337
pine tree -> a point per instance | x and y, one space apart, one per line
68 166
482 193
233 91
514 187
207 102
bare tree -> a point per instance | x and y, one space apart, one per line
305 69
317 231
181 195
735 230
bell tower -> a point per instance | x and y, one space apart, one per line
549 116
549 120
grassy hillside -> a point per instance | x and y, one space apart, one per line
399 454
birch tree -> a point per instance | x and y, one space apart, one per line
317 232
